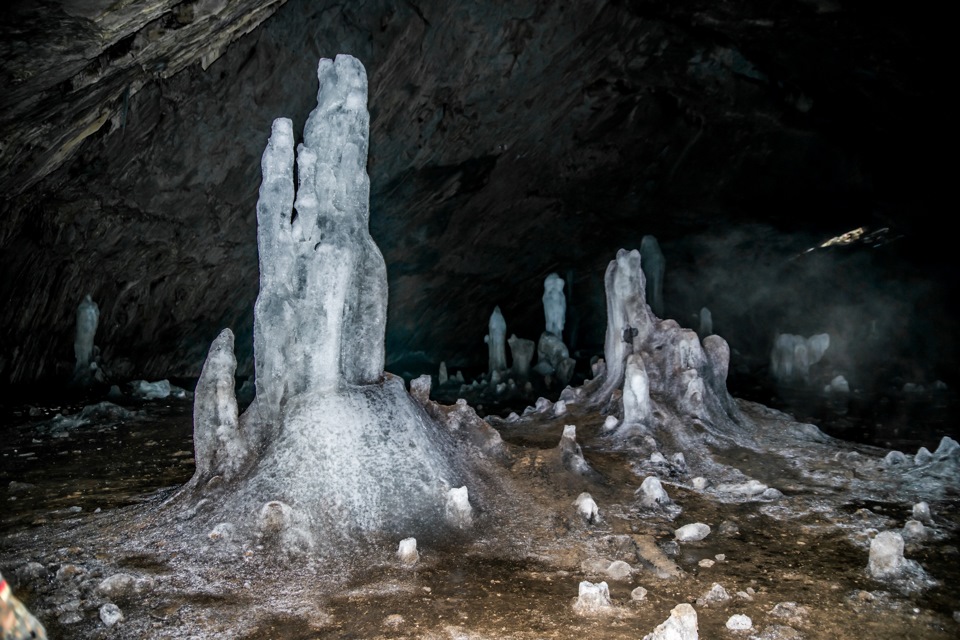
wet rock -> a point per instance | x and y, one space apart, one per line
639 594
72 617
31 571
692 532
68 572
748 489
728 529
593 599
20 487
681 625
124 585
739 622
394 621
110 614
706 563
791 611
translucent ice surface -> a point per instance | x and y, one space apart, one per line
554 304
496 339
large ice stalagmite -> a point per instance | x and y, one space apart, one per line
331 447
654 266
554 304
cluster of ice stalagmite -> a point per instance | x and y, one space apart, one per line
331 446
793 355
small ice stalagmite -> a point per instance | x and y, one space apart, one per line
681 625
654 266
88 317
593 599
458 512
554 304
496 341
521 353
571 455
886 555
706 322
219 445
443 377
407 552
652 493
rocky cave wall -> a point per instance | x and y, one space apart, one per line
508 140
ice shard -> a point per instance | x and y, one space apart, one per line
496 341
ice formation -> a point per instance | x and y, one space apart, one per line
554 304
793 355
654 266
88 316
407 552
587 507
739 622
681 625
593 599
220 448
652 493
693 532
551 352
886 555
496 339
521 353
338 448
458 511
637 408
442 376
706 322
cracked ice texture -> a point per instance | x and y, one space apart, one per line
320 317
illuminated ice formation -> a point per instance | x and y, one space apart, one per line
337 447
496 340
554 304
886 555
587 507
407 552
637 408
458 512
654 266
706 322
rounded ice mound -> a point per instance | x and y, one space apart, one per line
587 507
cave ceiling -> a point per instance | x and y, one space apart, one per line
508 140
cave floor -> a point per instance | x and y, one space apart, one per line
795 566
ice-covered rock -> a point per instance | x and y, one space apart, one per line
658 458
700 483
654 265
748 489
88 317
551 352
886 555
716 594
923 456
407 552
619 571
521 354
220 447
554 304
420 388
587 507
914 530
739 622
652 493
693 532
496 340
559 408
921 512
151 390
458 512
706 322
593 599
110 614
895 459
681 625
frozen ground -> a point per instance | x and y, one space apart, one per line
81 496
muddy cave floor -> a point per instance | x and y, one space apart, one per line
796 566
